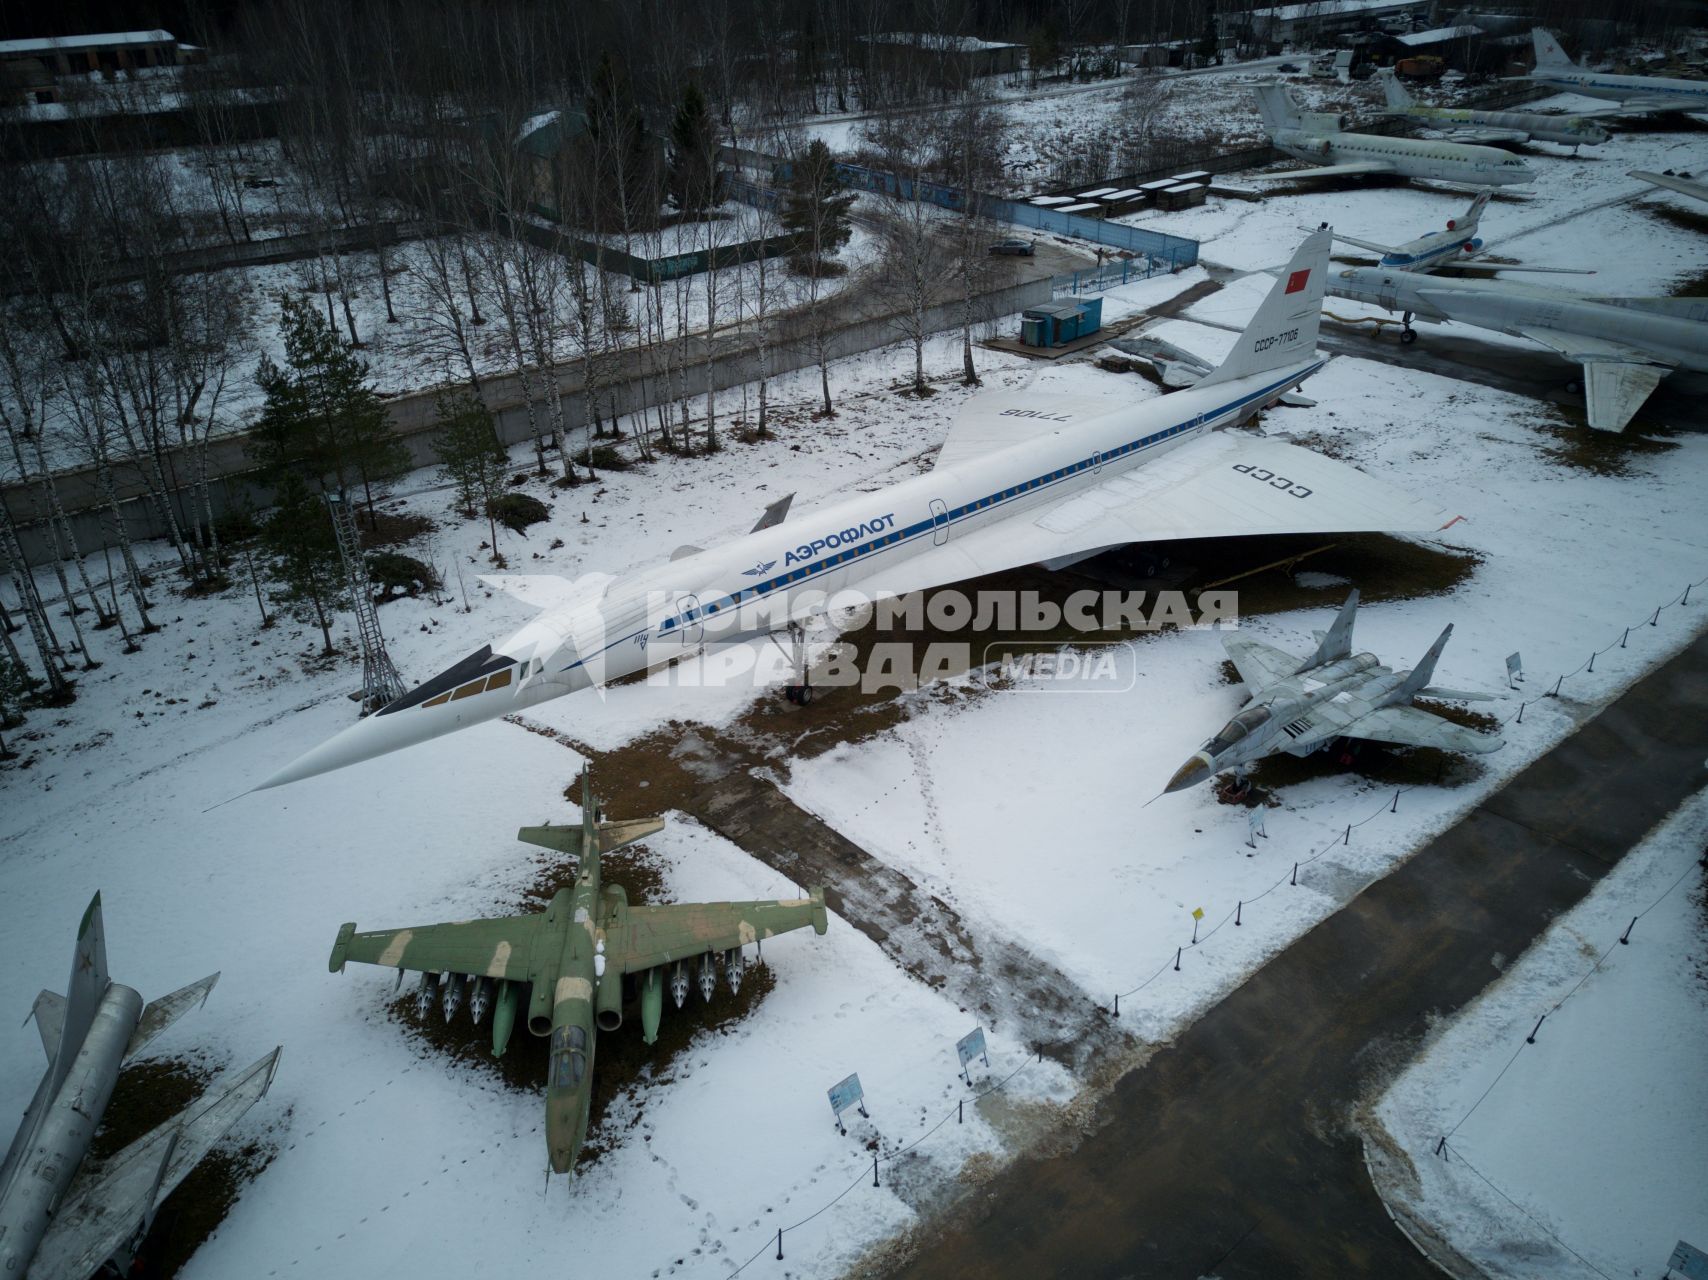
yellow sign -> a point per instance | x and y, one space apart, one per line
1197 913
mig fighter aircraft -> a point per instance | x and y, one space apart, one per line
1299 705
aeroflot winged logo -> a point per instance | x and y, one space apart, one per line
760 570
843 538
1296 281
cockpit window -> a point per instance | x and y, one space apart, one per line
569 1056
1240 727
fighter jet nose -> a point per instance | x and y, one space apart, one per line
1189 774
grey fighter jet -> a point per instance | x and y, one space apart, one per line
1625 345
1299 706
58 1220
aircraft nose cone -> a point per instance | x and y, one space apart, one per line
1189 774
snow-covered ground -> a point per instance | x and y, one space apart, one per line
969 795
1595 1134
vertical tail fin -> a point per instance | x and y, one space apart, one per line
1420 674
89 982
1473 215
1284 329
1337 641
1398 98
1277 107
1548 51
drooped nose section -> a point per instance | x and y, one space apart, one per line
482 671
480 687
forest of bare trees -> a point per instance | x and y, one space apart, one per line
473 185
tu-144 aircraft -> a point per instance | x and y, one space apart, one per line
1318 135
1300 705
1636 95
1465 125
563 970
1022 479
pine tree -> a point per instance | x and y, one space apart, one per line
322 419
303 558
469 456
816 210
693 159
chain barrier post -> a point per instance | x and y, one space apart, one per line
1531 1038
1625 938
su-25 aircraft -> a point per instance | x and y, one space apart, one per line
1464 125
1317 135
1636 95
571 960
59 1221
1299 706
1023 478
1625 345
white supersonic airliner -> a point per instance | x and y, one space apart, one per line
1023 478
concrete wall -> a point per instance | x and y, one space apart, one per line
635 377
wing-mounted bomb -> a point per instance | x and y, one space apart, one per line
480 999
456 985
734 966
679 983
708 977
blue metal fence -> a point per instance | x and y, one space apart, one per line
1112 274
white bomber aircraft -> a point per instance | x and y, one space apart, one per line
1317 135
1636 95
1022 478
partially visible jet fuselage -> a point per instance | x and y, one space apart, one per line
1674 337
58 1126
1410 157
753 584
1254 731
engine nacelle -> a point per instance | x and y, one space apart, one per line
540 1009
608 1002
651 1003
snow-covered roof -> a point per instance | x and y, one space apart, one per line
1325 9
74 44
939 43
535 123
1437 35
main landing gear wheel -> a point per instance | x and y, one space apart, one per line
799 694
1408 336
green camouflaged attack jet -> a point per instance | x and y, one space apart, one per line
568 963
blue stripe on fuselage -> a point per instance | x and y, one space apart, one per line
978 505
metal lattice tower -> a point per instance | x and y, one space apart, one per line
380 682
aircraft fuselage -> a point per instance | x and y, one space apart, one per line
755 583
54 1137
1676 338
1408 157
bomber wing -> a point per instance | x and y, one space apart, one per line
1220 485
107 1207
1616 378
657 935
1261 666
1350 169
1415 727
485 948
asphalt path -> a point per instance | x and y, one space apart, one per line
1233 1153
